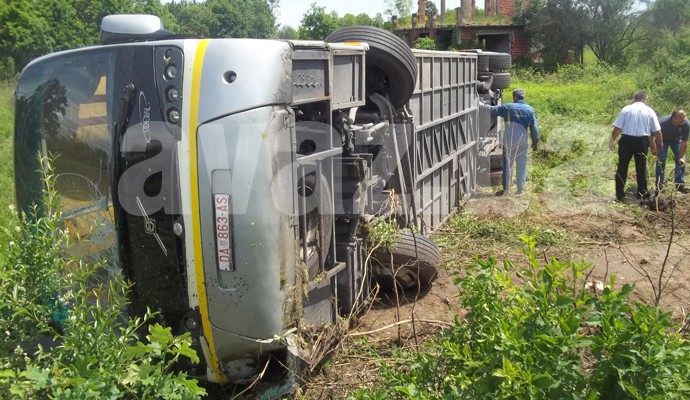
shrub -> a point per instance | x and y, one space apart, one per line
7 68
425 43
65 334
547 337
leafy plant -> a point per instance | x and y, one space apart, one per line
67 335
425 43
535 332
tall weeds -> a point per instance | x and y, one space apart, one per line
65 335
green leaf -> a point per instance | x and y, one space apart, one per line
542 381
7 373
40 378
190 384
563 300
161 335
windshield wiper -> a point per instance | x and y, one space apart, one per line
125 109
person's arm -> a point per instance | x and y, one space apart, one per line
656 132
614 134
681 152
683 143
534 131
496 111
655 145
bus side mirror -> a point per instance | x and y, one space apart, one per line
123 28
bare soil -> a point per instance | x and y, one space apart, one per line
628 240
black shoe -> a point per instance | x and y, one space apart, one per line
643 196
621 198
683 189
500 192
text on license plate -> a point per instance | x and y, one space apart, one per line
222 229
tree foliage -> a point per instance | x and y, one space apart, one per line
608 27
248 18
360 19
226 18
668 15
317 23
29 29
431 9
556 25
286 32
399 8
611 27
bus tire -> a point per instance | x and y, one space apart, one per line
387 53
413 263
501 80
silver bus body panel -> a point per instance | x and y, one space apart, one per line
444 135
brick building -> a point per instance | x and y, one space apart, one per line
506 8
506 38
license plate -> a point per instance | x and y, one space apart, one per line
222 228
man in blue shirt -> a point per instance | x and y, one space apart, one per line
675 129
518 117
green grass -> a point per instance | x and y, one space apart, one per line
589 59
474 233
575 109
573 168
7 197
592 94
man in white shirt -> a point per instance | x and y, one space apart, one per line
638 125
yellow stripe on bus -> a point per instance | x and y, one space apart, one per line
196 223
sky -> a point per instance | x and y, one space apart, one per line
290 12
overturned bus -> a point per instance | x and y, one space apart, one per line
232 181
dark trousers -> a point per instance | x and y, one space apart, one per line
629 147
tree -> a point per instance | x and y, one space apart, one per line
555 27
225 18
663 20
612 27
399 8
192 18
248 18
317 24
29 29
287 32
670 15
360 19
23 33
608 27
91 13
431 8
378 20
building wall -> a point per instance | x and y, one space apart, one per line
519 46
502 7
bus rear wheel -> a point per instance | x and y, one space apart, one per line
412 264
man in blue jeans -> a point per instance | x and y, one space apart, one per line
518 117
675 129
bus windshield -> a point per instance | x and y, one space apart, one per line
95 113
67 111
